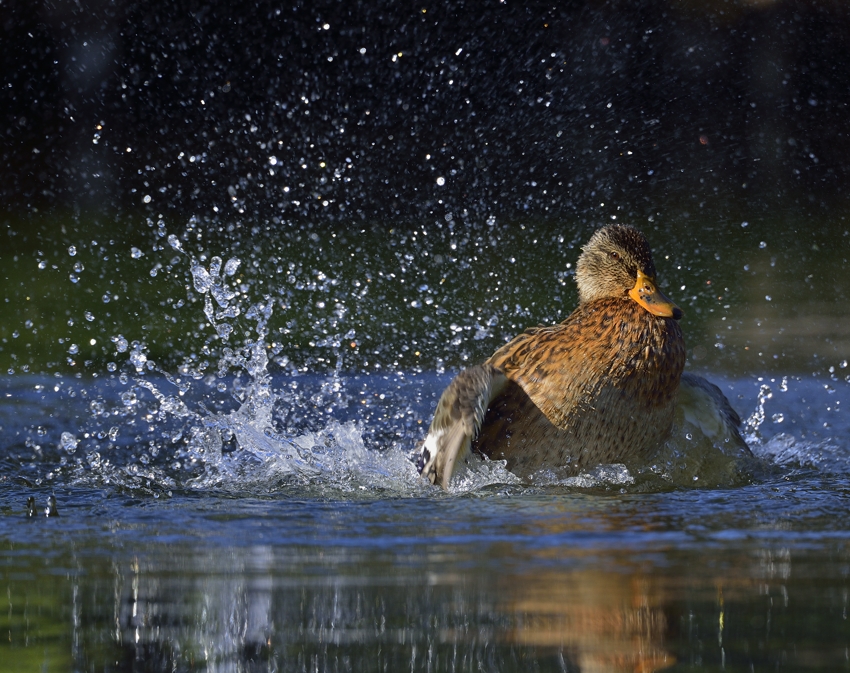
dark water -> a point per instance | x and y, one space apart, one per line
492 581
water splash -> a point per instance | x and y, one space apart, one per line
220 420
198 438
757 418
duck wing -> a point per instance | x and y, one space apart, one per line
457 421
704 406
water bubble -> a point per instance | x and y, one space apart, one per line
74 349
129 399
441 181
135 253
273 161
42 265
89 316
72 250
68 442
147 198
762 245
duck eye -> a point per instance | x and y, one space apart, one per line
614 255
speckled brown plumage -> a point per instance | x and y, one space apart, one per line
601 387
598 388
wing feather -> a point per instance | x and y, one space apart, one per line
457 421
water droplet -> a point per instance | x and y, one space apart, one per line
89 316
762 245
68 442
120 343
74 349
72 250
441 181
147 198
138 358
135 253
777 418
231 266
201 279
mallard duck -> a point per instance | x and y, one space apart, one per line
601 387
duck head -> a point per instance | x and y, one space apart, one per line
617 262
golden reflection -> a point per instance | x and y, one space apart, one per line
608 621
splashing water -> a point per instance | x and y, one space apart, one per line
195 442
234 427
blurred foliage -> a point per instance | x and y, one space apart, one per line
760 295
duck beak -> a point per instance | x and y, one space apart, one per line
652 299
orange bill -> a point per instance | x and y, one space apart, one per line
652 299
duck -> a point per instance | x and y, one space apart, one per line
602 387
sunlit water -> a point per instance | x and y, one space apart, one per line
242 518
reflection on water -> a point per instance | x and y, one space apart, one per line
630 584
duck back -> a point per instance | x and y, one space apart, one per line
598 388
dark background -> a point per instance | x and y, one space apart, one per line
525 109
420 176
